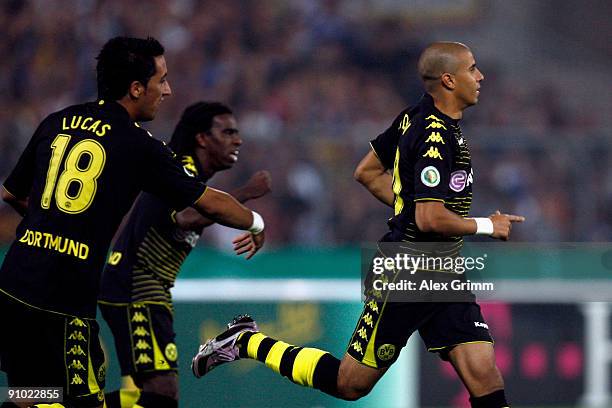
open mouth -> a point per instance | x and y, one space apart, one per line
234 156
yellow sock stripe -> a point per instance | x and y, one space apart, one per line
253 345
127 398
273 359
304 366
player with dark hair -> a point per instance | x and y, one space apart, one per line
77 177
431 192
135 295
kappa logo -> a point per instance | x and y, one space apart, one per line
77 380
368 319
76 365
386 352
435 137
433 153
436 125
77 335
363 333
357 347
143 359
142 345
483 325
139 318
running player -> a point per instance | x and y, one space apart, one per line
135 295
430 190
77 177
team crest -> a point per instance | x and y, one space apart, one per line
386 352
171 352
430 176
102 373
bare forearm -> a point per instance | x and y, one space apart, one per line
381 188
435 218
224 209
191 219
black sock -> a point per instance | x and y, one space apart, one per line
496 399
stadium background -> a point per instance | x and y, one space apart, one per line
311 82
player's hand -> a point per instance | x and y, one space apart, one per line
502 224
258 185
248 243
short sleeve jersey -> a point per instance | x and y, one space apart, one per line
430 161
81 172
149 252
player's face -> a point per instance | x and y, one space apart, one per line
157 88
223 142
468 79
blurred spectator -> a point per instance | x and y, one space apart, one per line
312 82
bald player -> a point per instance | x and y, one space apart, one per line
430 190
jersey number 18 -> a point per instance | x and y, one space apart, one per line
85 175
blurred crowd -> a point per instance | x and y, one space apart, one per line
311 82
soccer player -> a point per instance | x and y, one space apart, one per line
430 191
135 291
77 177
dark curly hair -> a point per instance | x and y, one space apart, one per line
195 119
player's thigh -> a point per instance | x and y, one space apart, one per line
454 324
53 350
383 330
144 338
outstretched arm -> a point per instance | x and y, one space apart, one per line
257 186
225 210
373 175
432 216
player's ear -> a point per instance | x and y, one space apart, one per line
136 89
201 139
448 80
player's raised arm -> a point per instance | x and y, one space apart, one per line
372 174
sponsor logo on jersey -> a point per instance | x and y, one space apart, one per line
460 179
430 176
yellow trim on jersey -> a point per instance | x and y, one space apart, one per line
375 154
305 364
160 361
369 358
253 345
429 199
459 344
273 359
5 189
44 310
201 195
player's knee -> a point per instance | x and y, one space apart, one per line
352 389
165 384
488 376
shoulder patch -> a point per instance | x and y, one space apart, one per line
430 176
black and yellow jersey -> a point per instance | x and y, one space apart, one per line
149 251
81 172
430 161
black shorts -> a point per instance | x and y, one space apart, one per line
144 337
47 349
384 328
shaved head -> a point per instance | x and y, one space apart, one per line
439 58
